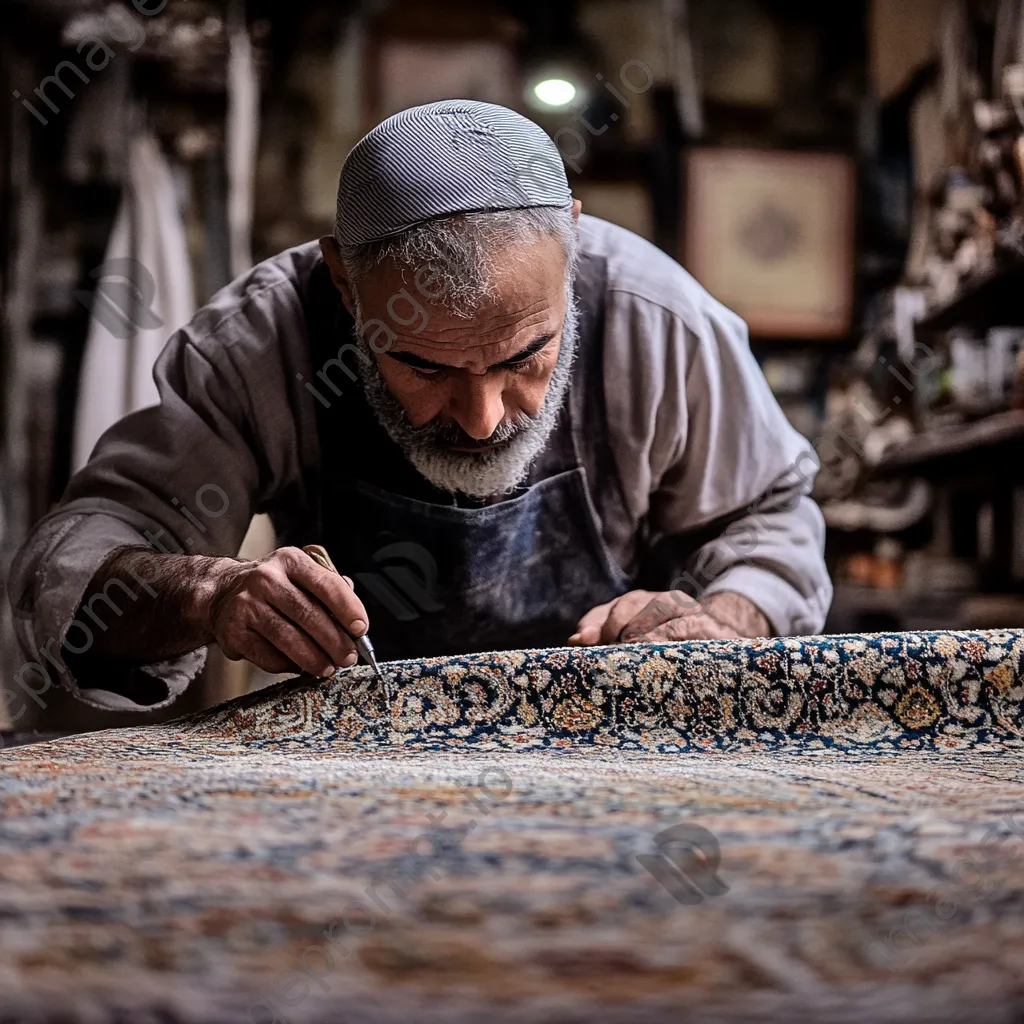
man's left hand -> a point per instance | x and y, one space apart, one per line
649 616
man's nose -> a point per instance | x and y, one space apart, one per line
478 406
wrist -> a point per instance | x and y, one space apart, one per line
211 579
738 613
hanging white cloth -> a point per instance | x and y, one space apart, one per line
242 132
144 294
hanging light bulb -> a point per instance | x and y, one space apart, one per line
555 92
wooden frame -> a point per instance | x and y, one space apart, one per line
771 235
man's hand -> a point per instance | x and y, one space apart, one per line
282 613
647 615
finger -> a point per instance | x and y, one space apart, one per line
265 656
588 629
693 627
624 611
311 617
292 642
646 620
648 624
337 596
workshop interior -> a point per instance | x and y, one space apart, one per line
812 815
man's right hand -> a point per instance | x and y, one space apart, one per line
282 612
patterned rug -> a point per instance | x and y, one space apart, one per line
823 829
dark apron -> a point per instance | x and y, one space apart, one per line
440 577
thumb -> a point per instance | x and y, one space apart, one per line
588 629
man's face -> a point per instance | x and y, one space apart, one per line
479 373
470 401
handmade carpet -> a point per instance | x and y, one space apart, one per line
820 829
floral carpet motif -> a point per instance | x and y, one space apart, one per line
486 841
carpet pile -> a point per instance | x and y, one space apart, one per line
822 828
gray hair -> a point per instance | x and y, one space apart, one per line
460 254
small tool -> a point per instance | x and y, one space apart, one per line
363 645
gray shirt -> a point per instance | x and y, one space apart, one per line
697 439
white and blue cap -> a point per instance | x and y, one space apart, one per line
439 159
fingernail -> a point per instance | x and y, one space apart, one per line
358 626
348 580
349 660
331 671
574 638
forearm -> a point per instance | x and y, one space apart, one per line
737 613
143 607
772 555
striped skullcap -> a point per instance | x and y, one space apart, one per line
454 156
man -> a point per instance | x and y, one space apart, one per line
547 415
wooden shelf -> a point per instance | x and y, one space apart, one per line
968 446
995 300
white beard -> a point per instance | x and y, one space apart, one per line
476 474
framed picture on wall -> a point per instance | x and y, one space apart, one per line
771 235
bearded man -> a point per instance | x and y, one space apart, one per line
510 425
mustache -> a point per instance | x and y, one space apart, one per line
449 434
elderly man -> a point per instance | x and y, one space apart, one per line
510 425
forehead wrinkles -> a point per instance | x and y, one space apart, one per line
487 330
501 336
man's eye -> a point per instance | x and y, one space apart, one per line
426 374
524 364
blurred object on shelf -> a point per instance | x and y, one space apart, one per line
881 569
188 41
981 377
992 611
1005 349
1017 394
884 506
857 569
908 306
967 138
791 375
927 572
888 572
986 443
792 378
969 375
858 432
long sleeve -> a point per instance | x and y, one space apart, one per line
184 475
746 467
709 464
771 553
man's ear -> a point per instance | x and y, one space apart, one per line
577 205
332 257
